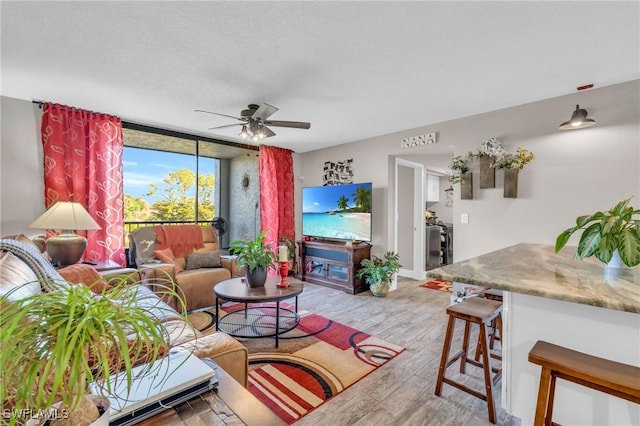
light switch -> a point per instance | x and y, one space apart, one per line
464 217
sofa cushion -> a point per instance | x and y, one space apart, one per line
81 273
197 285
205 259
167 256
17 280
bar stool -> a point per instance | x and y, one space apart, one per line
479 311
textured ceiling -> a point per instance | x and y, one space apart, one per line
353 69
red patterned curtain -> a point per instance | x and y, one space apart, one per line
83 163
276 194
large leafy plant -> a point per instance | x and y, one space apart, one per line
254 254
379 270
605 232
55 344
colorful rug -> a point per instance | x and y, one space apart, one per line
314 362
441 285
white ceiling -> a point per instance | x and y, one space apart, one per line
353 69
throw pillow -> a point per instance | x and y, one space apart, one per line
17 280
81 273
167 256
205 259
144 244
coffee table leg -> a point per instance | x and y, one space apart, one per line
277 321
217 313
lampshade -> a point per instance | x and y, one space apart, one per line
578 120
66 215
68 247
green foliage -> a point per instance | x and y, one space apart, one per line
55 343
135 208
379 270
254 254
604 232
343 202
178 201
362 198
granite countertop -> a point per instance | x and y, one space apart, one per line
535 269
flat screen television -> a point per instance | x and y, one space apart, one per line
341 212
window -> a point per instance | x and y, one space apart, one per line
169 179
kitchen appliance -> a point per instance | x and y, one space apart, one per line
433 246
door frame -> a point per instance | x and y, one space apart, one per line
418 271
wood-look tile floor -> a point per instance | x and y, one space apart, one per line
400 392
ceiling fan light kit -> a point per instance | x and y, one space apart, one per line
578 120
254 122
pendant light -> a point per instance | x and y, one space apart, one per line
578 120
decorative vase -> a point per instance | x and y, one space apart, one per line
511 183
616 261
379 289
257 277
487 173
466 186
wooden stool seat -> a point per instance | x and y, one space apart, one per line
611 377
479 311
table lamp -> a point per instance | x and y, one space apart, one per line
68 247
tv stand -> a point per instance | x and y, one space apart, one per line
332 263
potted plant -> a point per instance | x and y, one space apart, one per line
459 167
54 344
611 236
459 173
379 272
257 256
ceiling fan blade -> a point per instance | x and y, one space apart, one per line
267 132
217 113
264 111
294 124
226 125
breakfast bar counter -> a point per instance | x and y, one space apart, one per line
575 303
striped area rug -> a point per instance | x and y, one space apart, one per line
315 362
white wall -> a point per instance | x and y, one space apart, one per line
22 175
574 172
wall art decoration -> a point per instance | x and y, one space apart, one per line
337 172
449 192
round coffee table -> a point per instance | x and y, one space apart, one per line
257 321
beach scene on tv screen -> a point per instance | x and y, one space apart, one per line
339 211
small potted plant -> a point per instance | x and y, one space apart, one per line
379 272
257 256
459 173
54 344
613 236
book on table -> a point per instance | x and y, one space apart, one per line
172 380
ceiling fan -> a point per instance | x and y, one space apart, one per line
254 122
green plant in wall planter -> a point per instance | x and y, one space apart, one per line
607 235
379 272
257 256
55 343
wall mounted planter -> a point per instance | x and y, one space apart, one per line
487 173
511 183
466 186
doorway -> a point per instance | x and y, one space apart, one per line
409 217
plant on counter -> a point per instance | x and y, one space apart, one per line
257 256
605 232
458 167
518 160
55 343
378 272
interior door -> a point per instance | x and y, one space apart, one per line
409 217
